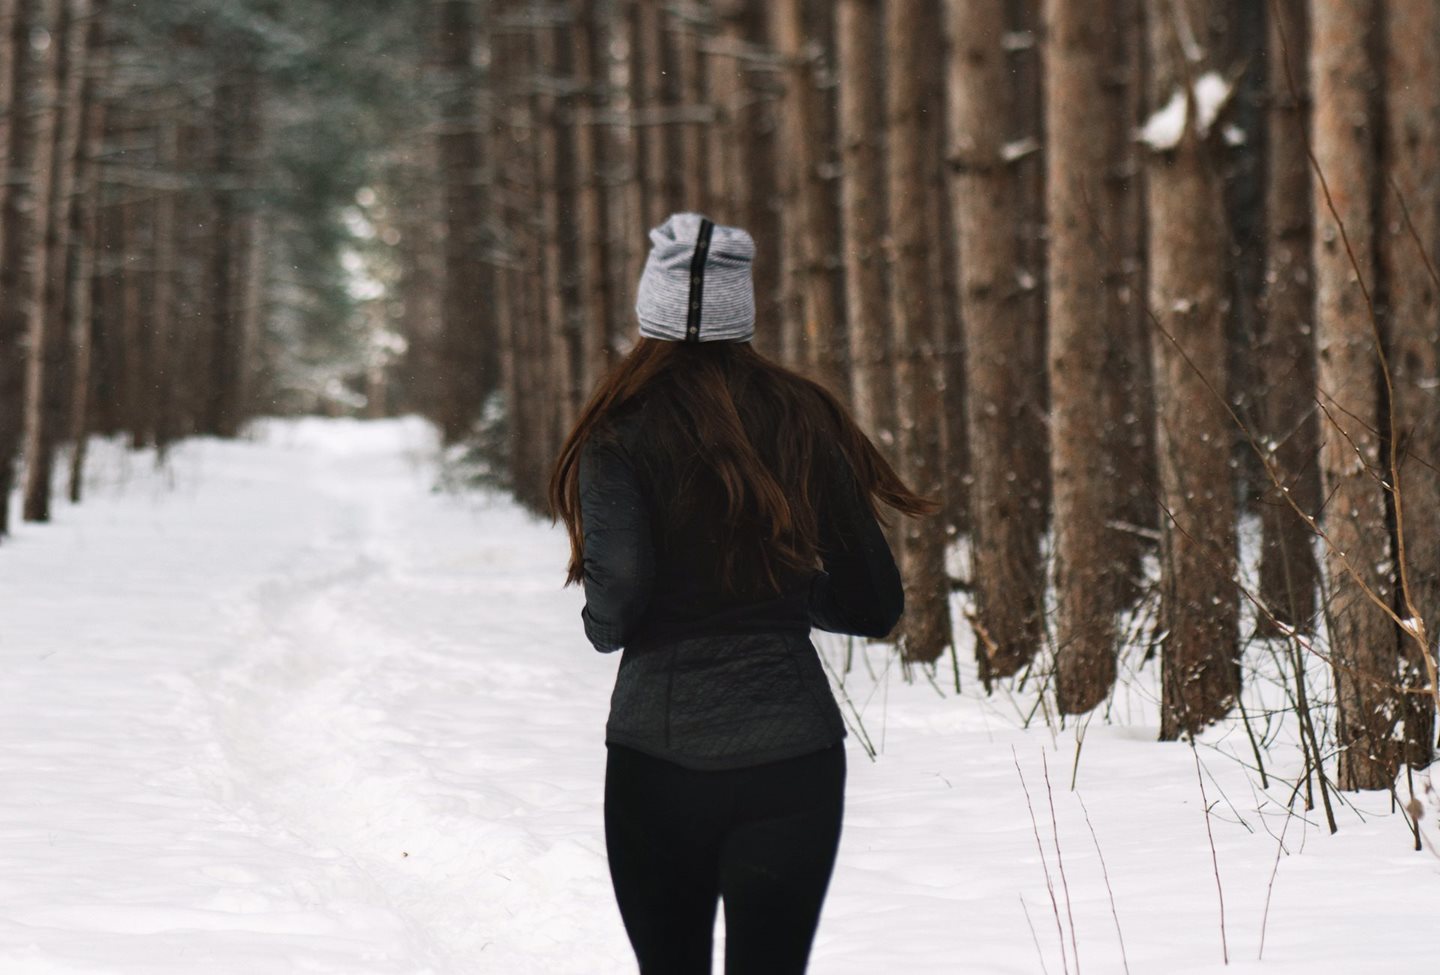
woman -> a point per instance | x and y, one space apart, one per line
719 506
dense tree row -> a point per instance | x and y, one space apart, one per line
177 184
1106 276
1069 260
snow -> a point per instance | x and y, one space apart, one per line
282 707
1164 129
1019 149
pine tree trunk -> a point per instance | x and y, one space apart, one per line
501 77
86 280
23 231
7 96
1200 670
465 370
1128 402
146 367
944 255
627 233
253 234
179 370
106 357
756 154
1362 639
50 336
646 41
42 352
862 201
562 248
791 321
164 320
807 199
549 349
726 84
1087 583
1410 216
469 367
1025 140
1288 570
519 161
926 628
670 127
221 416
1007 574
688 34
1243 42
592 169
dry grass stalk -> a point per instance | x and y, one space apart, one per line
1060 860
1214 857
1104 872
1044 865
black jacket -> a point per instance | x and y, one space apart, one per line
712 680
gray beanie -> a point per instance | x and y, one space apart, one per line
696 286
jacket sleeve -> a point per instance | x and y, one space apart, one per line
618 556
859 592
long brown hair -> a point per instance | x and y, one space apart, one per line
724 409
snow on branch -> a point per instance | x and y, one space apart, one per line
1164 129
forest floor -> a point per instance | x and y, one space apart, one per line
283 707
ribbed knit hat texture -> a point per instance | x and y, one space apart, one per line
696 286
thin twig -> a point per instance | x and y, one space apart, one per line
1214 857
1108 890
1270 887
1060 861
1044 863
1033 936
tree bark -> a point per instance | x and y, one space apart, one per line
945 263
7 98
807 199
146 368
725 78
21 262
1087 580
862 203
530 415
592 167
1410 218
557 144
221 412
178 371
82 302
470 368
628 228
688 34
106 359
671 185
49 337
1128 401
646 41
1005 509
253 233
1362 639
165 317
1288 570
757 166
926 628
42 351
1200 670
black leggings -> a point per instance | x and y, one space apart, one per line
764 838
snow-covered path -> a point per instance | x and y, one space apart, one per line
286 709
